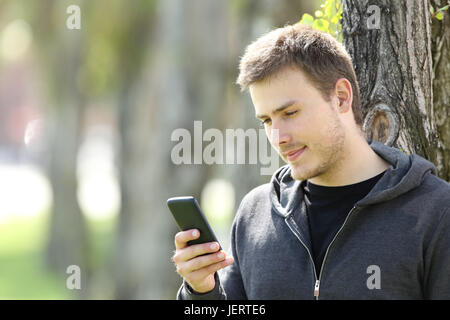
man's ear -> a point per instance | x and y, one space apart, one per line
344 94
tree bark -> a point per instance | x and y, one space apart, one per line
393 63
440 48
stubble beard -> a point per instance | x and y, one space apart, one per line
330 154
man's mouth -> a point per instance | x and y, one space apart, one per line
294 154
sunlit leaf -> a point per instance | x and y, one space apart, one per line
321 24
307 19
335 19
329 9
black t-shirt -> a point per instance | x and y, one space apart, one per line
327 208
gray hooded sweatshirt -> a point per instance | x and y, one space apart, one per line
394 243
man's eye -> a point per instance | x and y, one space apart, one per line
291 113
265 121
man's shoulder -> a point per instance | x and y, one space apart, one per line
431 198
256 200
436 187
439 189
435 181
261 191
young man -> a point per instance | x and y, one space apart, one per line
345 218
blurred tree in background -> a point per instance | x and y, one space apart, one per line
141 70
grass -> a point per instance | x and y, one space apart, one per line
23 274
22 270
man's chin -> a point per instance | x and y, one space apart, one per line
298 174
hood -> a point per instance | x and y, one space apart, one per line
405 173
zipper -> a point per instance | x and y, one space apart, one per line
316 289
328 249
317 280
310 258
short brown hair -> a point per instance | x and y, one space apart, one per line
321 57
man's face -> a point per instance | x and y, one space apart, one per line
311 135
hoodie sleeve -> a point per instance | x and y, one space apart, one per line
231 276
437 260
187 293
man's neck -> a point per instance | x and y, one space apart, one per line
358 163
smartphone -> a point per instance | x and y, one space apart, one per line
188 215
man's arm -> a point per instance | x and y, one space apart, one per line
231 277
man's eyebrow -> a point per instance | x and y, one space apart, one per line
279 109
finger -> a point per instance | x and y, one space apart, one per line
182 237
201 262
195 250
202 273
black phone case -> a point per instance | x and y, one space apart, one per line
188 215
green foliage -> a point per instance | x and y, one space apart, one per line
23 270
439 13
327 18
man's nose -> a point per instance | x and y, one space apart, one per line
279 136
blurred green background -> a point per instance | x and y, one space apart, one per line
86 117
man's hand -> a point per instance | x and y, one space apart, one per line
198 271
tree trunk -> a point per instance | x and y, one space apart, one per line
160 101
133 258
60 56
391 53
440 48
